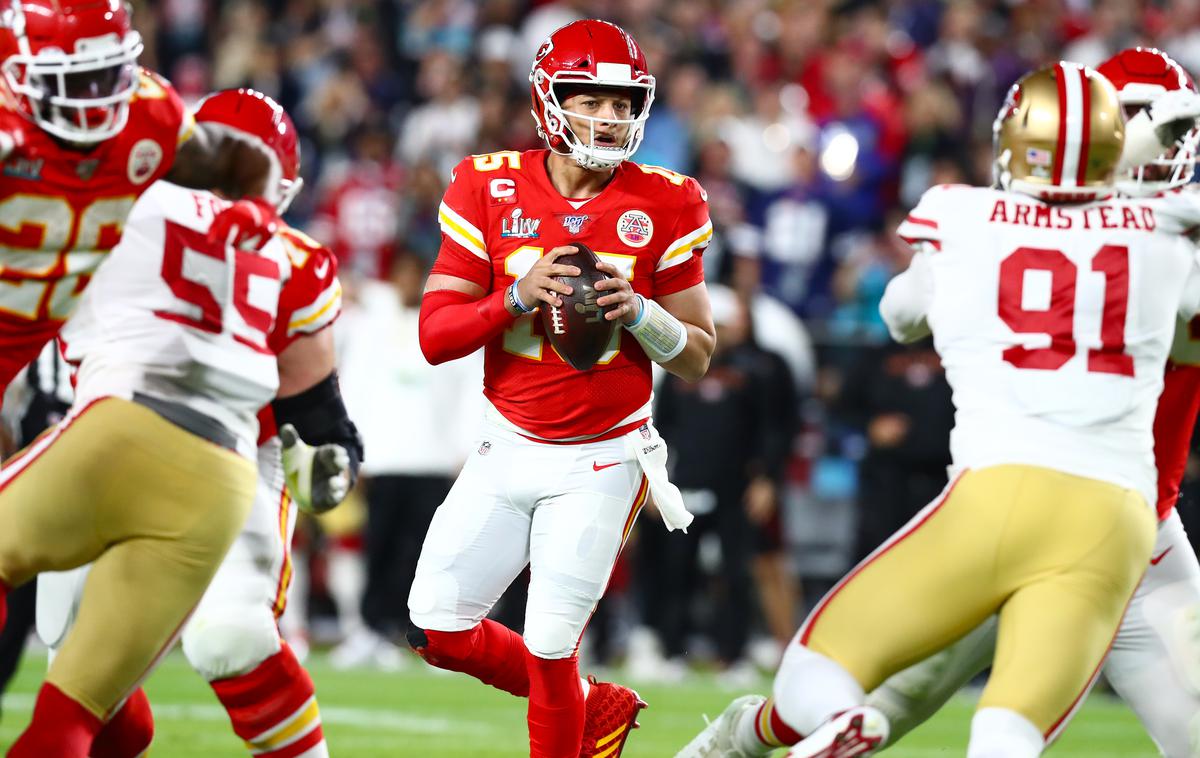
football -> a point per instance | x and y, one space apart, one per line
578 330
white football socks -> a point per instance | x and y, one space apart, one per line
810 688
1003 733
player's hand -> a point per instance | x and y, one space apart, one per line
246 225
1173 114
620 302
538 286
318 478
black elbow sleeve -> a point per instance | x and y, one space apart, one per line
320 417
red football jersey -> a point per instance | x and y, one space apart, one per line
310 301
501 213
62 211
1175 418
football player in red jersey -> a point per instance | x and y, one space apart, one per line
566 458
83 132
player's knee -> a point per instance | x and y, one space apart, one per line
230 642
434 645
551 638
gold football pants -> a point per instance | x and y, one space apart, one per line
154 508
1057 556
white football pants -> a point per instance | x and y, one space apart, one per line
563 510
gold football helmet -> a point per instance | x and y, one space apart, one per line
1059 135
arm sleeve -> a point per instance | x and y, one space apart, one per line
453 324
680 266
463 253
906 301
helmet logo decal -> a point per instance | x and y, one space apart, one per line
144 160
544 50
635 228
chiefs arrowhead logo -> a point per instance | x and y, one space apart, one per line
144 160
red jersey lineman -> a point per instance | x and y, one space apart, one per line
566 458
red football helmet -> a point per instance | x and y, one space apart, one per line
1141 74
253 117
589 53
70 65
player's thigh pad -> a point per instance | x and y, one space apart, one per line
478 539
1155 658
167 509
579 527
58 596
1068 560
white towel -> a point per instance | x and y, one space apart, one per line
651 451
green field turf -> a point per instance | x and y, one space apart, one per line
419 714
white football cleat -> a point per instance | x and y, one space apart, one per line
857 732
716 741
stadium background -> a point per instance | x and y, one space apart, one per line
813 125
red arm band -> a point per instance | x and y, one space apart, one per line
454 324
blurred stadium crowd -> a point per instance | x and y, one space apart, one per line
812 124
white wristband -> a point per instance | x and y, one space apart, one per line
659 333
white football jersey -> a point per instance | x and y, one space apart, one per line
173 316
1053 323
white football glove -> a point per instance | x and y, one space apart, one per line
318 478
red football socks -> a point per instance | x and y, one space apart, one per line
491 652
556 708
777 733
129 732
273 707
61 727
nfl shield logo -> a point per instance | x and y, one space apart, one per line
485 448
644 429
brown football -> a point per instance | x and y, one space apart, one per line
578 330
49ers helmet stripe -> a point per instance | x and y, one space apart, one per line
1085 130
1068 166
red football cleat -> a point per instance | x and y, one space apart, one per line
611 714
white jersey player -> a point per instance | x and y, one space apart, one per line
1154 664
1053 320
193 332
232 639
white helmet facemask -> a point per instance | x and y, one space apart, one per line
80 97
583 148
